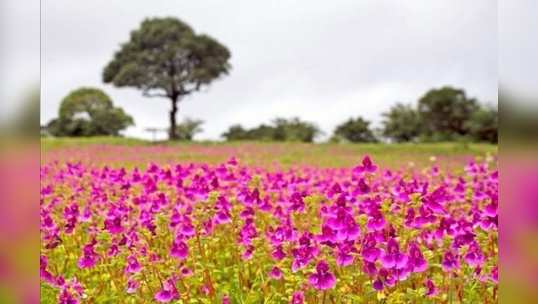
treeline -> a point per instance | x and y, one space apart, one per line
443 114
280 129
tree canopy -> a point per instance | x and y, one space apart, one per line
89 112
483 124
401 123
280 129
166 58
444 112
354 130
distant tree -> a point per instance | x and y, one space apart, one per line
483 124
188 128
354 130
281 129
166 58
262 132
401 123
294 130
444 113
88 112
235 132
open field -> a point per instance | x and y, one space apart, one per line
127 221
129 152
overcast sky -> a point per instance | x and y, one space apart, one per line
323 61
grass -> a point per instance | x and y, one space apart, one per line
129 151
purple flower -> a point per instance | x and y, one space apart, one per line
431 290
43 272
67 298
132 286
185 272
371 254
297 298
416 259
132 265
366 166
179 250
247 254
222 217
392 257
322 279
113 223
450 261
343 255
278 253
474 256
275 273
495 275
167 293
304 253
376 222
378 285
89 257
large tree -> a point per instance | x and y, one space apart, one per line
166 58
444 112
401 123
89 112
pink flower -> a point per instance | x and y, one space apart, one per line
179 250
378 285
431 290
416 259
392 257
322 279
132 286
297 298
132 265
366 166
89 257
66 297
167 293
450 262
275 273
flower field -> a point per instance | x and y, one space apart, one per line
224 225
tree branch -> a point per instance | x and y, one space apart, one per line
148 94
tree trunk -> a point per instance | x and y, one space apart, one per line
173 125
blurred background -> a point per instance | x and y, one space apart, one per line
337 66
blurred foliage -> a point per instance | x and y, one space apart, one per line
444 113
294 130
88 112
26 120
166 58
281 129
483 124
354 130
401 123
519 117
188 128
